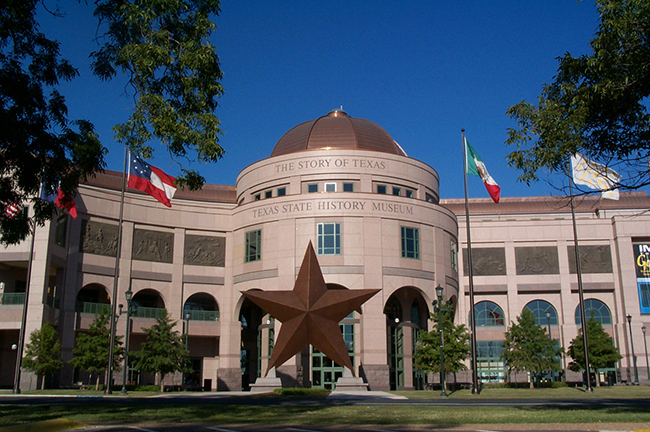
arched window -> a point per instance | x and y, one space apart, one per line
539 309
599 310
393 310
416 313
488 314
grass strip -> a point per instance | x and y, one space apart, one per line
318 415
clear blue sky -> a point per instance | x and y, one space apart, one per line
422 70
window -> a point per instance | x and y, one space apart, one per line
282 191
597 309
410 243
330 187
454 255
409 193
539 309
429 198
258 197
253 245
488 314
311 188
348 187
268 194
381 189
329 239
397 191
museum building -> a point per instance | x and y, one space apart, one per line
376 221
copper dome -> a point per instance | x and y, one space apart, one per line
337 130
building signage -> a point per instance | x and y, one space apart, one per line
332 205
324 163
642 266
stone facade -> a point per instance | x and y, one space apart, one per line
374 216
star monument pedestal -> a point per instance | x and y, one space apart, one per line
267 383
350 383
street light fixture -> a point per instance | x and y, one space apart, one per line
636 372
438 307
129 310
645 344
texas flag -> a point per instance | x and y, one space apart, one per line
151 180
475 166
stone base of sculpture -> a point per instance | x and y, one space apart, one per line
266 384
349 383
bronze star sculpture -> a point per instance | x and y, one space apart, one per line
310 314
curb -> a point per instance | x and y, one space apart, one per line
44 426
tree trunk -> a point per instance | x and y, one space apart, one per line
43 382
97 383
162 386
597 377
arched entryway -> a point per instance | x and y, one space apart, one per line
93 298
407 314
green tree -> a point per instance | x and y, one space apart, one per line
528 347
91 350
456 347
162 50
39 144
602 352
597 104
163 351
43 353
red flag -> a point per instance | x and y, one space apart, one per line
64 201
151 180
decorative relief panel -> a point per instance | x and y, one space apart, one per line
98 238
153 246
537 260
205 251
487 261
593 259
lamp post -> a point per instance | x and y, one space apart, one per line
636 372
438 307
187 317
129 311
548 323
645 344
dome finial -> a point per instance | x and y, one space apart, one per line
337 112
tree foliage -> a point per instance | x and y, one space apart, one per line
160 47
163 351
39 145
43 352
92 348
456 347
528 347
597 104
602 351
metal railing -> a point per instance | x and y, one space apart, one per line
145 312
12 299
201 315
93 308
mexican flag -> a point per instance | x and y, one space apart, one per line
475 166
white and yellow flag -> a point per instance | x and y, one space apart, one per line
595 176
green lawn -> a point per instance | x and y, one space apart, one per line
128 413
625 392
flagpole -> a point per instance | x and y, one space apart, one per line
23 323
475 389
583 323
111 348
